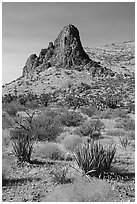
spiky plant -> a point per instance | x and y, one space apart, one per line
22 148
94 159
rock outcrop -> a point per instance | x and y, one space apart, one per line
66 52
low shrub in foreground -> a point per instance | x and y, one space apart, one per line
94 159
83 190
71 118
51 150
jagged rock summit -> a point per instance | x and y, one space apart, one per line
65 52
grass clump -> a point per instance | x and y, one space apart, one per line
94 159
71 118
60 175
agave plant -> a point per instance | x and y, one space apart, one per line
93 158
22 148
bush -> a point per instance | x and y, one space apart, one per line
71 141
94 159
90 111
71 118
131 135
5 138
7 121
51 150
91 128
46 128
127 124
83 190
12 108
115 133
32 104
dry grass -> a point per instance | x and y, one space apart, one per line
83 190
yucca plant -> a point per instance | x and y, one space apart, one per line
22 148
124 141
94 159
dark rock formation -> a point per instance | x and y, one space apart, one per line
66 52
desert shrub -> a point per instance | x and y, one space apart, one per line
23 126
51 150
71 118
119 113
71 141
115 133
5 137
91 128
60 175
83 190
46 128
12 108
22 147
94 159
131 134
124 141
45 98
31 104
127 124
105 114
131 107
90 111
7 121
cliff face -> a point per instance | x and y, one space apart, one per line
65 52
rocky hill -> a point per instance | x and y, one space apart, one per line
65 62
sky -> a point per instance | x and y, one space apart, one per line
28 27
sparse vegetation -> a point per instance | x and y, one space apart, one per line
71 118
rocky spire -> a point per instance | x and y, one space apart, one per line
66 52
